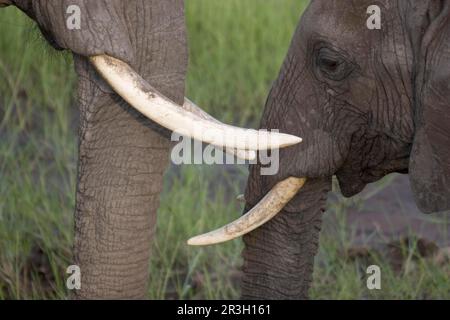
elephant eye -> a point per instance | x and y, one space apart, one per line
332 65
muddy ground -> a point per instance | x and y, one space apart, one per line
386 211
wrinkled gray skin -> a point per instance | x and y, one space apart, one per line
367 103
122 155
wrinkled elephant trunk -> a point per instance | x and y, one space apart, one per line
123 156
121 165
279 256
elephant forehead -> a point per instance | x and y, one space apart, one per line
344 21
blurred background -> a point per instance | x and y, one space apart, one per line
236 50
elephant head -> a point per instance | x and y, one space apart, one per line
367 102
131 59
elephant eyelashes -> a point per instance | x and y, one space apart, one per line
332 65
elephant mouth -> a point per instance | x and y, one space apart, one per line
193 122
353 181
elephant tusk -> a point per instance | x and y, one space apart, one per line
147 100
240 198
241 154
269 206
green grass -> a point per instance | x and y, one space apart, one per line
237 48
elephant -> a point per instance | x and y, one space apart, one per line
367 102
131 61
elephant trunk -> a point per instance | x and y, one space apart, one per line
123 156
279 256
121 165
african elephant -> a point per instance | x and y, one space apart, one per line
367 102
131 60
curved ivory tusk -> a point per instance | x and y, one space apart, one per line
241 154
269 206
147 100
240 198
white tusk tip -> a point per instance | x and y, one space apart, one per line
292 140
287 140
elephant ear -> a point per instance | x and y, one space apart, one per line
430 155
